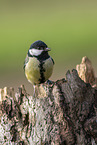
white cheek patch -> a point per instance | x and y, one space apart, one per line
35 52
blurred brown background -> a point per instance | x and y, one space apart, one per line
68 27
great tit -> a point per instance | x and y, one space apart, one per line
38 64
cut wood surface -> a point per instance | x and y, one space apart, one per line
61 113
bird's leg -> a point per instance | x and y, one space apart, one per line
34 90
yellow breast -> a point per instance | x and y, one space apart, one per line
48 65
37 72
32 70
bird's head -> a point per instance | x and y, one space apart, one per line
37 48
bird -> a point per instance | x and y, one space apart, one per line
38 65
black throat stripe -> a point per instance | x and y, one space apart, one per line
42 70
42 58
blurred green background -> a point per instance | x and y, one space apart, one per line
68 27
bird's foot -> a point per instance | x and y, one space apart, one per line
49 82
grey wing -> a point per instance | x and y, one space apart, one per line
26 61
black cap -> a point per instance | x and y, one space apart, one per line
37 44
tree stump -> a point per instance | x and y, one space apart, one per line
62 113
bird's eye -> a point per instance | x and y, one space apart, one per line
39 48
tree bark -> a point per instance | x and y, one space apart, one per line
61 113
